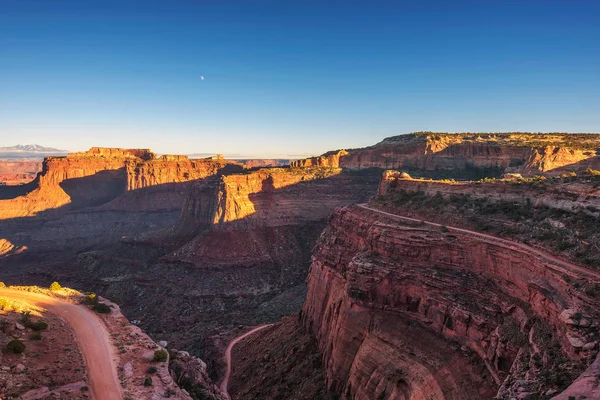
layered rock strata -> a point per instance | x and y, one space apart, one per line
472 155
404 310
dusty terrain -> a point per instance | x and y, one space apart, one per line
54 361
82 353
281 361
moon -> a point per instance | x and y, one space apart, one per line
202 77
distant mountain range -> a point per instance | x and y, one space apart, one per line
21 151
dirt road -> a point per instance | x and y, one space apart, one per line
225 381
555 262
92 338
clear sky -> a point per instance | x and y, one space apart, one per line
290 78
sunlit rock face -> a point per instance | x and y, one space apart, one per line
330 159
100 175
263 211
100 196
479 155
173 169
406 311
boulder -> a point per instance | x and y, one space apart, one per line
19 369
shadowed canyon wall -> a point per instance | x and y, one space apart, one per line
408 311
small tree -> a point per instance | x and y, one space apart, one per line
160 356
148 381
2 285
16 346
55 286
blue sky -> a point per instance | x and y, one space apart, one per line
291 78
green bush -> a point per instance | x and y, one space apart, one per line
15 346
102 308
160 356
55 286
148 381
36 336
37 326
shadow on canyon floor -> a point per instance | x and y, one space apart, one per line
208 282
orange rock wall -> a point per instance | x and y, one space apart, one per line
331 160
455 152
173 169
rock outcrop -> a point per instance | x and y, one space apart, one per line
191 374
404 310
174 169
479 155
330 159
100 175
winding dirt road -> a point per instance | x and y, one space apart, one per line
92 338
225 381
555 262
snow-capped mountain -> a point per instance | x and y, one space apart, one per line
30 151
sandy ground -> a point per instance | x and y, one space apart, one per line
91 336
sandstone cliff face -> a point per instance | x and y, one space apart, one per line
173 169
266 200
100 175
79 179
482 154
408 311
330 159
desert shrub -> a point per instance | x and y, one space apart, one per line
160 356
444 228
15 346
593 172
2 285
148 381
102 308
37 326
55 286
36 336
